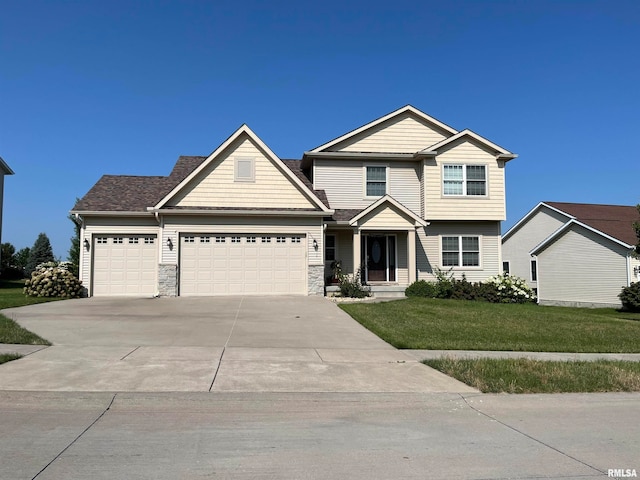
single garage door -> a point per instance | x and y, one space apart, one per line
257 264
125 265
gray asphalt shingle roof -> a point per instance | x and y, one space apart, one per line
128 193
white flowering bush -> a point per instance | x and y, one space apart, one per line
512 289
53 279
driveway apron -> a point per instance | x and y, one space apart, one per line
215 344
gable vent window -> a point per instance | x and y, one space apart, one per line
465 180
245 169
376 181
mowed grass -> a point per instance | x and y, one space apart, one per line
435 324
533 376
11 295
7 357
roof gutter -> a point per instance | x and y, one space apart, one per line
101 213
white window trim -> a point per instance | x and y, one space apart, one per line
464 180
364 180
236 169
460 251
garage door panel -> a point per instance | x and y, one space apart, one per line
239 265
124 265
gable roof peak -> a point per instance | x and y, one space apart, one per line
400 111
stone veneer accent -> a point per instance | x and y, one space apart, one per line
316 280
167 280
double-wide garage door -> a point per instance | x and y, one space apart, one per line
259 264
125 265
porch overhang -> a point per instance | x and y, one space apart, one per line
387 214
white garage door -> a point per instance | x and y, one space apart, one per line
125 265
258 264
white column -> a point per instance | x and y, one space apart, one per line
411 255
356 251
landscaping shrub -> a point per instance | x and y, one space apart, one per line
512 289
498 289
352 286
630 297
422 288
53 279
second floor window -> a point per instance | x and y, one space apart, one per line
376 181
470 180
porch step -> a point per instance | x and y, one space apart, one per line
377 291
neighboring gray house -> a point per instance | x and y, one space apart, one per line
397 198
574 253
4 170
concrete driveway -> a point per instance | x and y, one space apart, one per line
220 344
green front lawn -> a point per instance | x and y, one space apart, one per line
491 375
435 324
11 296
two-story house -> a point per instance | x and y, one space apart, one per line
396 199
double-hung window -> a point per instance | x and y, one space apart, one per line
465 180
376 181
460 251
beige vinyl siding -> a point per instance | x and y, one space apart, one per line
441 207
110 226
401 134
516 248
401 256
344 182
582 267
311 228
386 218
429 255
215 186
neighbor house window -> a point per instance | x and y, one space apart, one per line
470 180
460 251
505 267
534 271
330 248
244 169
376 181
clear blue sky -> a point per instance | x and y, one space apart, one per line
125 87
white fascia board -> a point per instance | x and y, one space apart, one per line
406 108
551 238
244 129
96 213
361 155
388 199
505 154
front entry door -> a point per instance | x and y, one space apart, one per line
376 258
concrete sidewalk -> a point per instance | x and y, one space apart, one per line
60 436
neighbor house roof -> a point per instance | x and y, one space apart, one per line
616 221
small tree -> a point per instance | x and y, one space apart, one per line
22 257
41 252
7 252
74 250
